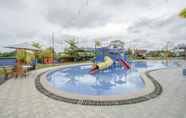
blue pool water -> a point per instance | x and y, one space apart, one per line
7 62
113 81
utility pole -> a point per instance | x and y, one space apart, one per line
167 52
95 51
53 49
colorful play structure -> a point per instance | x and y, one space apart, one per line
107 58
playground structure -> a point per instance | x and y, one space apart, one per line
108 57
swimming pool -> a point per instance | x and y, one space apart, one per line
115 81
7 61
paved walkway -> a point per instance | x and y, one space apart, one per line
2 79
20 99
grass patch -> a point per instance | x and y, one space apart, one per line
1 72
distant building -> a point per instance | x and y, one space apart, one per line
140 52
182 47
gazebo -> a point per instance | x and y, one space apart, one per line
21 47
24 46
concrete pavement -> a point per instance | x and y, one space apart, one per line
20 99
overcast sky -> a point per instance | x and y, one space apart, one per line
140 23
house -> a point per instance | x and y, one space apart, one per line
140 52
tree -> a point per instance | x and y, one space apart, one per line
8 54
183 13
36 45
38 54
72 49
97 43
21 55
117 44
48 52
129 51
24 57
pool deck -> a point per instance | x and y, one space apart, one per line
20 99
2 80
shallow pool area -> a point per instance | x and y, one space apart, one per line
115 81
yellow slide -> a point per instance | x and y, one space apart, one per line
101 66
107 63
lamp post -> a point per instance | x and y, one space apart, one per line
167 51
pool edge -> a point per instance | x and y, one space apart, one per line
155 93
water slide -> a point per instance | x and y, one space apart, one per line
124 63
103 65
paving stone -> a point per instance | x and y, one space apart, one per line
20 99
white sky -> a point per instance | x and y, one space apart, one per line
145 24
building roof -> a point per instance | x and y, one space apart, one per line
26 46
181 46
